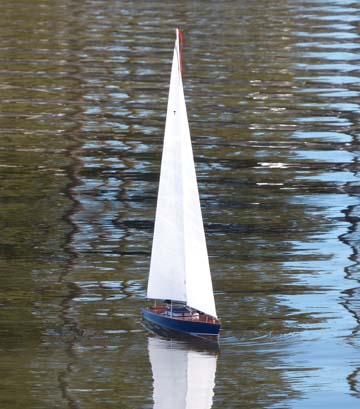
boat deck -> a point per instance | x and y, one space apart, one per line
183 314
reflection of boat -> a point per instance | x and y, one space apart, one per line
179 270
183 378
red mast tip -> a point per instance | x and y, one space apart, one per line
180 34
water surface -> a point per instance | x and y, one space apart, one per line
272 90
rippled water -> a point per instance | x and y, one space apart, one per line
272 91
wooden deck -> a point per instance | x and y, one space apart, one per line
190 316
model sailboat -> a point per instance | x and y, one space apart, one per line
179 268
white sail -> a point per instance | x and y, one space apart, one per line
183 379
179 268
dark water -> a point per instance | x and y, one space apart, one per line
272 90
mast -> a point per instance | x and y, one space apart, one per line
179 268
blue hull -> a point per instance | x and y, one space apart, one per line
185 326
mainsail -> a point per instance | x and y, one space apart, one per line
179 268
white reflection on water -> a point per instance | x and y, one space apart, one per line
183 378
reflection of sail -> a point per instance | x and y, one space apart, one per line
183 378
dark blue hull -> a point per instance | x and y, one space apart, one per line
192 327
